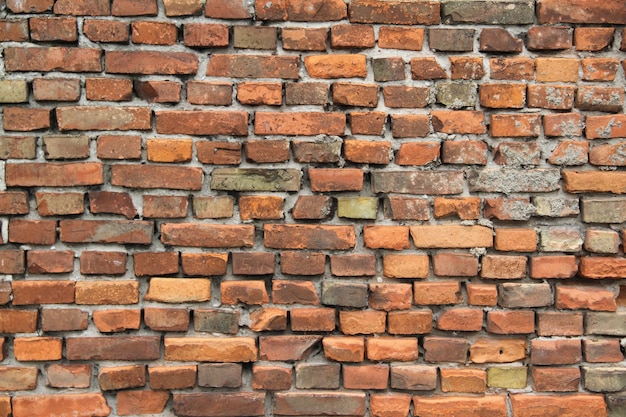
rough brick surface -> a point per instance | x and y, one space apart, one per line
312 208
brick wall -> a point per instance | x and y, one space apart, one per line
302 208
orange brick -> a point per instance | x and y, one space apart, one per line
261 207
386 237
459 121
515 125
563 266
511 322
557 69
465 208
461 319
482 294
503 96
344 348
503 267
437 293
463 380
516 240
410 322
593 39
445 236
259 93
28 349
405 266
336 66
362 322
417 153
169 150
392 349
401 37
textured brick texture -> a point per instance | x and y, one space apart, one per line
378 208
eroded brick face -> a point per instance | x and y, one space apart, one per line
376 208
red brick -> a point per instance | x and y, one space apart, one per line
557 70
437 293
482 294
335 179
134 8
451 40
414 377
599 69
497 350
99 30
458 121
503 96
120 348
246 292
472 152
511 322
409 125
352 36
392 349
105 263
53 29
553 266
150 62
555 352
602 350
395 12
207 122
367 123
570 153
153 33
63 319
107 292
549 38
21 119
499 40
207 235
121 377
153 176
119 147
559 323
271 377
82 405
260 93
362 322
365 376
405 266
302 263
494 405
30 6
515 125
50 262
417 153
466 68
28 349
555 379
36 232
106 231
155 263
18 321
512 69
407 208
219 153
410 322
17 147
253 263
579 297
132 403
445 349
68 376
605 127
550 96
312 319
267 151
103 118
208 92
300 124
304 39
390 297
366 152
158 91
353 265
227 9
82 7
172 377
463 380
455 265
461 319
13 202
427 69
601 267
253 66
166 320
59 89
268 319
580 11
389 405
110 321
360 95
48 59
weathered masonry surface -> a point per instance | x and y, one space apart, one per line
375 208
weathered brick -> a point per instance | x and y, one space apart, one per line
487 12
513 295
209 92
464 152
150 62
22 119
106 231
253 66
43 292
63 319
427 68
211 349
456 94
304 39
244 292
499 40
219 404
555 379
299 124
511 322
82 405
107 292
120 377
68 376
417 182
31 6
463 380
445 349
220 375
555 323
112 321
46 59
555 11
503 96
394 12
557 70
409 125
172 377
178 290
494 405
599 69
498 350
437 293
166 320
121 348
